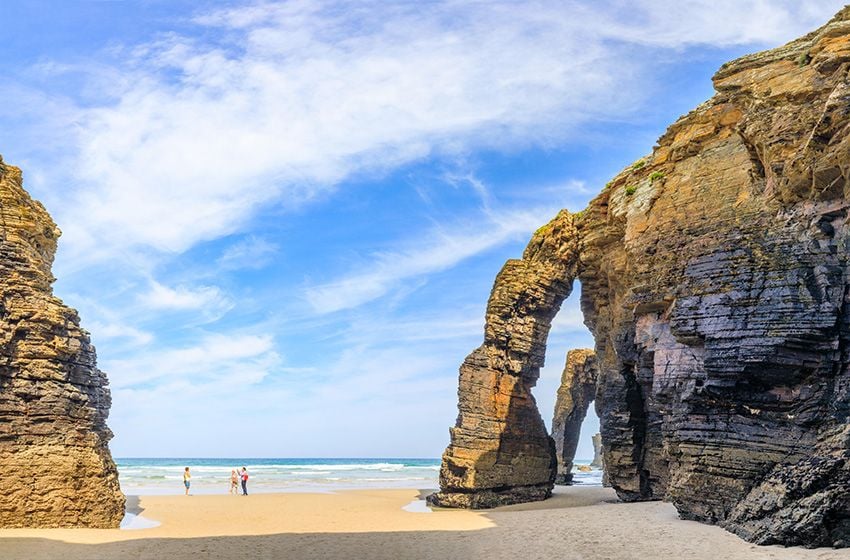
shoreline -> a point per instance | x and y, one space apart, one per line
582 523
164 476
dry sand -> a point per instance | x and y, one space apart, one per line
578 523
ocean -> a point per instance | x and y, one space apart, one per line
161 476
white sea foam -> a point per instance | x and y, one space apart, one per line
212 476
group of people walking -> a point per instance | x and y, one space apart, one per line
236 477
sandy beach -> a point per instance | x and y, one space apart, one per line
577 523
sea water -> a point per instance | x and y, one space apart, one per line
212 476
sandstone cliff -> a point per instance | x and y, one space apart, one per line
57 470
715 281
501 451
577 390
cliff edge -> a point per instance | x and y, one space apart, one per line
57 469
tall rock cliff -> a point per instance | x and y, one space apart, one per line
57 470
577 391
501 451
715 281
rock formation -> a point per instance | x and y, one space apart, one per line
597 452
715 281
57 470
577 390
501 451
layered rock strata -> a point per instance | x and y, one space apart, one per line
576 392
57 469
715 281
501 451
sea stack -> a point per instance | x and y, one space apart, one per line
715 275
57 469
577 391
597 452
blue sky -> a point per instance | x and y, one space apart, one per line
282 220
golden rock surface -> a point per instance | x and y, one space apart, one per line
56 465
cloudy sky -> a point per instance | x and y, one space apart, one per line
282 220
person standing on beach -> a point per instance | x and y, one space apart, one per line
244 481
234 482
187 479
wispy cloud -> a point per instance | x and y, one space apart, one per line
251 252
233 358
195 136
718 23
438 250
163 145
185 298
109 331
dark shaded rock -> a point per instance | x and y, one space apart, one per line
805 503
577 390
57 470
715 277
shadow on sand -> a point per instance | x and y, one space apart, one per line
570 526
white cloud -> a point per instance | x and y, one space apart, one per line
423 329
134 335
196 135
251 252
570 318
440 249
720 23
185 298
183 139
216 358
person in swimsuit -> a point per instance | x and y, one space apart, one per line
234 482
187 479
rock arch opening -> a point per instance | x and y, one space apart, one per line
575 397
715 283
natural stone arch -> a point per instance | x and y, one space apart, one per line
500 450
716 283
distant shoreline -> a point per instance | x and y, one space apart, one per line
578 522
161 476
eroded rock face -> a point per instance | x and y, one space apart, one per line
577 390
500 450
715 281
57 470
